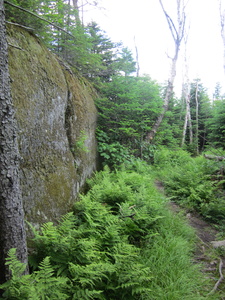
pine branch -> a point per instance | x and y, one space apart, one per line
37 16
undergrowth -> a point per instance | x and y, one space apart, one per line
119 242
195 182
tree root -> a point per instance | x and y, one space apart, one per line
220 279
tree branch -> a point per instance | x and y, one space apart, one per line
19 25
170 22
37 16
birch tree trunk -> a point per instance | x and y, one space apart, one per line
177 34
185 123
197 110
186 93
222 23
189 122
12 230
137 58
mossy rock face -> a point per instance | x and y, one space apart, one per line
55 111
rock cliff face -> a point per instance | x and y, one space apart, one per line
56 118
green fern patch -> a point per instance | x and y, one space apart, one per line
119 242
195 182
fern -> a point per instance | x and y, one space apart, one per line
47 285
86 294
18 286
41 285
106 248
16 267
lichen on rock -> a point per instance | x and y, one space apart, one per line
54 108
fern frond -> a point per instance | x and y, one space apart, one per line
16 267
67 223
47 285
86 294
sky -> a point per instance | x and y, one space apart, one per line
122 20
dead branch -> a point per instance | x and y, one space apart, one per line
177 35
220 279
37 16
222 18
19 25
170 23
14 46
214 157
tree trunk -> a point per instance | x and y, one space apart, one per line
77 15
12 229
222 23
197 125
137 58
177 34
185 127
186 93
187 123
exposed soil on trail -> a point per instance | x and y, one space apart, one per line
205 232
212 260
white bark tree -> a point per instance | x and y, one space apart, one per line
177 32
186 96
12 229
222 23
137 59
197 113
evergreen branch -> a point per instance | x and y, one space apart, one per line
37 16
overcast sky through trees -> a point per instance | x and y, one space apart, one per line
144 19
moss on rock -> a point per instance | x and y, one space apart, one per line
54 108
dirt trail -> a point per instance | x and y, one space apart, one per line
212 261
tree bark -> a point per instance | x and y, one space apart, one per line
222 23
177 34
137 58
12 229
187 122
185 125
77 14
197 125
186 94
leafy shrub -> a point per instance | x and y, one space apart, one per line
112 154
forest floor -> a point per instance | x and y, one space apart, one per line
212 259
